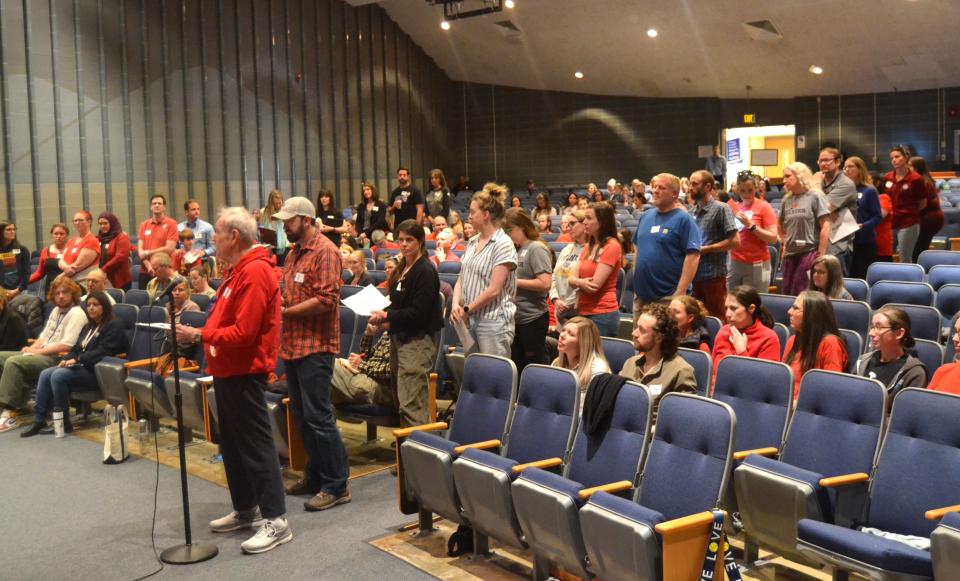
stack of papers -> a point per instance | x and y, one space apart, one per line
366 301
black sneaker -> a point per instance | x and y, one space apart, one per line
33 430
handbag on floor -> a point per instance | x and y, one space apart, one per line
114 434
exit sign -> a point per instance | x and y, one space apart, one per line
749 118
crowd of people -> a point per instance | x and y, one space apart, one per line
696 252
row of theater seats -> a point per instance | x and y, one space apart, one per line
516 464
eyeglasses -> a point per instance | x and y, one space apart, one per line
826 160
880 329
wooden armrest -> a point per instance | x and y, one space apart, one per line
451 349
191 369
685 523
140 363
844 480
485 445
742 454
434 427
548 463
285 401
612 487
121 356
938 513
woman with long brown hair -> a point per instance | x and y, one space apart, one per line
599 266
371 214
534 276
816 342
931 217
438 197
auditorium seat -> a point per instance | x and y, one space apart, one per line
713 326
778 305
617 351
665 524
942 274
898 271
893 291
702 367
426 453
915 483
948 303
548 503
783 333
931 354
348 325
930 258
449 266
202 301
116 293
858 289
835 430
137 297
853 315
924 321
543 425
854 344
945 547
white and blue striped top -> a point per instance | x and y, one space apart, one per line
476 269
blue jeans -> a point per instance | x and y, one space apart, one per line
493 336
309 381
57 383
608 323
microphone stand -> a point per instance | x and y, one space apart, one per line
187 553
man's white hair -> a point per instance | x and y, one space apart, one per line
239 219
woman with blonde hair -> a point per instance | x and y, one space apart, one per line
869 216
805 226
483 297
534 276
356 263
456 223
273 205
581 351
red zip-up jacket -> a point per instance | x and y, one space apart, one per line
242 334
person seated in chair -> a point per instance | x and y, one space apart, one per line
13 331
356 263
749 329
947 377
580 350
181 304
200 281
364 378
655 337
102 336
97 282
816 342
163 273
20 369
890 363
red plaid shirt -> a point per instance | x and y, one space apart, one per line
312 271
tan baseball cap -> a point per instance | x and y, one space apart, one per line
296 206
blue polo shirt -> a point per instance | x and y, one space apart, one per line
662 241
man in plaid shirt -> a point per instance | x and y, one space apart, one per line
309 343
365 377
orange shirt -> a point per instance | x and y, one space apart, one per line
946 378
605 299
831 356
752 249
156 234
76 244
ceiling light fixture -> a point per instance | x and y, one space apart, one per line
444 25
652 33
815 70
509 4
578 74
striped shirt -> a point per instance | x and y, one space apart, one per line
312 270
476 270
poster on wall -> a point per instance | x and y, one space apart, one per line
733 151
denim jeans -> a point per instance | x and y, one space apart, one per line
309 381
493 336
607 323
57 383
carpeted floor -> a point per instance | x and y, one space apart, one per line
69 516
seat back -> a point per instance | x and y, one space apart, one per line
137 297
702 367
147 341
930 258
128 314
617 351
837 423
713 326
760 392
894 271
545 417
348 290
450 266
919 464
450 278
615 454
942 274
348 324
115 293
783 333
948 301
930 353
854 345
377 276
688 463
924 321
858 288
202 301
853 315
778 305
487 393
893 291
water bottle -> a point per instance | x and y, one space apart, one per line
58 423
143 432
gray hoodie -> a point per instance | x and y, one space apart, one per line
912 374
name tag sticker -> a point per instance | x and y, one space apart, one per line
213 351
75 249
889 184
16 251
148 232
226 293
376 209
298 277
656 389
655 229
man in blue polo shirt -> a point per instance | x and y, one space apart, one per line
668 246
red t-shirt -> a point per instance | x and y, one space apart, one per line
156 234
946 378
605 299
76 244
906 194
885 229
752 249
831 356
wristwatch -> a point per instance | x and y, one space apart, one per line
466 309
753 227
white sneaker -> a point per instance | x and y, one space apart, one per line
273 533
237 520
8 422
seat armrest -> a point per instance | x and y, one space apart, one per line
612 488
191 369
844 480
938 513
684 542
484 445
434 427
140 363
742 454
684 524
543 464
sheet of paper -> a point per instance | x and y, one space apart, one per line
366 301
164 326
848 225
466 338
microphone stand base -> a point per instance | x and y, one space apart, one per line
189 554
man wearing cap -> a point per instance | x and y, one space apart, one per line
309 345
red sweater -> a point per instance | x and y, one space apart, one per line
242 334
831 356
946 378
117 266
45 254
762 343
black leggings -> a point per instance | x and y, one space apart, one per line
529 342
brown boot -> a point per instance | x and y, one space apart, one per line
325 500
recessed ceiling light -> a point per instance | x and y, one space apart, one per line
578 74
815 70
445 25
509 4
652 33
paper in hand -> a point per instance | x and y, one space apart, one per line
366 301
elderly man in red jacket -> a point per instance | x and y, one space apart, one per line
240 342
